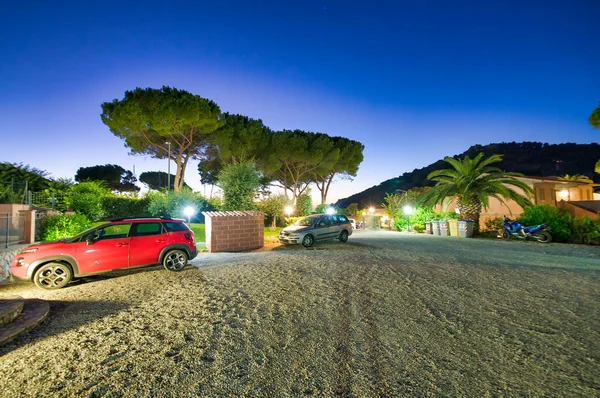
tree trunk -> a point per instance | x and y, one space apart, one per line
470 210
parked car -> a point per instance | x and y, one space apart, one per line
118 244
308 230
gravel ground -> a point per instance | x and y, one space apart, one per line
386 314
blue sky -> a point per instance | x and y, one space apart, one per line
414 81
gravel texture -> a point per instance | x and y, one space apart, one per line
386 314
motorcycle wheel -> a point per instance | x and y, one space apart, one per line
543 237
505 235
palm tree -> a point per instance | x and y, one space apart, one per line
472 182
576 178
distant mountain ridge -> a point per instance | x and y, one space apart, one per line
529 158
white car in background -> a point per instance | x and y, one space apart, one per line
353 222
307 230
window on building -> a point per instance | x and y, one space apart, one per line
541 194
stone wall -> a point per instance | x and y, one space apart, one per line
6 256
234 231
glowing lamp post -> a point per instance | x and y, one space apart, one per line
289 210
189 211
408 210
330 210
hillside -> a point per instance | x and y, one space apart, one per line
529 158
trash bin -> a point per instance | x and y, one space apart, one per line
443 227
453 227
428 228
435 227
465 228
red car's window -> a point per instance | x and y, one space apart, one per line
113 231
176 227
148 228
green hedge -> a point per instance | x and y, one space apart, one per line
62 226
119 207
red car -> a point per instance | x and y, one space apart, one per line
118 244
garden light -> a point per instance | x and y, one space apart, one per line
330 210
189 211
408 210
289 210
371 210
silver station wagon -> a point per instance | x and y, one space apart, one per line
317 227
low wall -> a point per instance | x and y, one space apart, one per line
6 255
234 231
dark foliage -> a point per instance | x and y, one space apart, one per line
529 158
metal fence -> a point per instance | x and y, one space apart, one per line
12 229
47 200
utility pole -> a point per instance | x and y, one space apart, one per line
169 167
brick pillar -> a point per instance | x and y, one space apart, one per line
29 226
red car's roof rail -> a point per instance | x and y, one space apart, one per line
143 218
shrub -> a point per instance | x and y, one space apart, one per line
401 223
420 217
493 224
419 228
87 198
63 226
304 205
291 220
240 182
322 208
559 220
119 207
273 206
585 230
172 203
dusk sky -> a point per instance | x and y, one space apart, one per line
414 81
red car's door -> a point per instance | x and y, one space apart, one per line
109 250
147 240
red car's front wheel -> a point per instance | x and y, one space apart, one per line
53 276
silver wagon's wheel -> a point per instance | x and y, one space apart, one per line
308 241
344 236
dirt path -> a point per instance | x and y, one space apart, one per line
383 315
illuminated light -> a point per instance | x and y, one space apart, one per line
407 210
330 210
371 210
189 211
289 210
564 193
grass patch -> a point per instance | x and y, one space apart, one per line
271 235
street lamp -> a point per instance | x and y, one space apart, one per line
169 167
330 210
289 210
189 211
408 211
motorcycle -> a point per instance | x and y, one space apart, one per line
541 232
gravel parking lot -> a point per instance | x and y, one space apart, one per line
386 314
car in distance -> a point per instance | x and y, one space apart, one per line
118 244
353 222
308 230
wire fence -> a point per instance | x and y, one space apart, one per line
48 200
